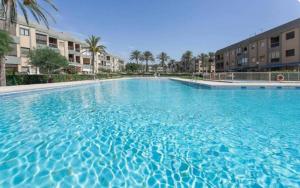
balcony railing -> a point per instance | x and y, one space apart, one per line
41 42
252 76
52 45
275 44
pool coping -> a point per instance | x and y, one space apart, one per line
8 90
242 85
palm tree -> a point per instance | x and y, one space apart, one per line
136 56
147 56
187 59
39 13
163 58
94 47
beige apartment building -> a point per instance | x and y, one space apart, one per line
31 36
276 49
109 62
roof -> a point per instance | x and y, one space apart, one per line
43 29
282 28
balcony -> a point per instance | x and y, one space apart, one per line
53 45
275 60
16 39
71 47
77 47
13 60
52 42
275 44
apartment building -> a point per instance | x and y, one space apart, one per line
276 49
31 36
196 66
109 62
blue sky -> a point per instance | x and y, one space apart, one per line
173 26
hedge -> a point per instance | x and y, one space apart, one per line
53 78
40 79
161 74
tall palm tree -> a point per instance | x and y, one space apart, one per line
147 56
187 58
163 58
94 47
39 13
136 56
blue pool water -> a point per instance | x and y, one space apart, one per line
150 133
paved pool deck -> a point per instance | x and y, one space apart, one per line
36 87
252 84
212 84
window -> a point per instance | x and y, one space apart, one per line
24 31
290 53
25 52
290 35
253 60
244 61
253 46
108 58
275 56
71 57
262 44
2 10
52 42
70 45
78 59
77 47
262 58
13 51
41 39
275 42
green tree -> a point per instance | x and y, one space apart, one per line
136 56
147 56
37 11
132 67
163 58
94 47
47 59
187 58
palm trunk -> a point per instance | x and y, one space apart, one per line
146 66
6 28
94 65
2 72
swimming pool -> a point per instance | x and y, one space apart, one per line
150 133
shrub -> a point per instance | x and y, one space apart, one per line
47 59
53 78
